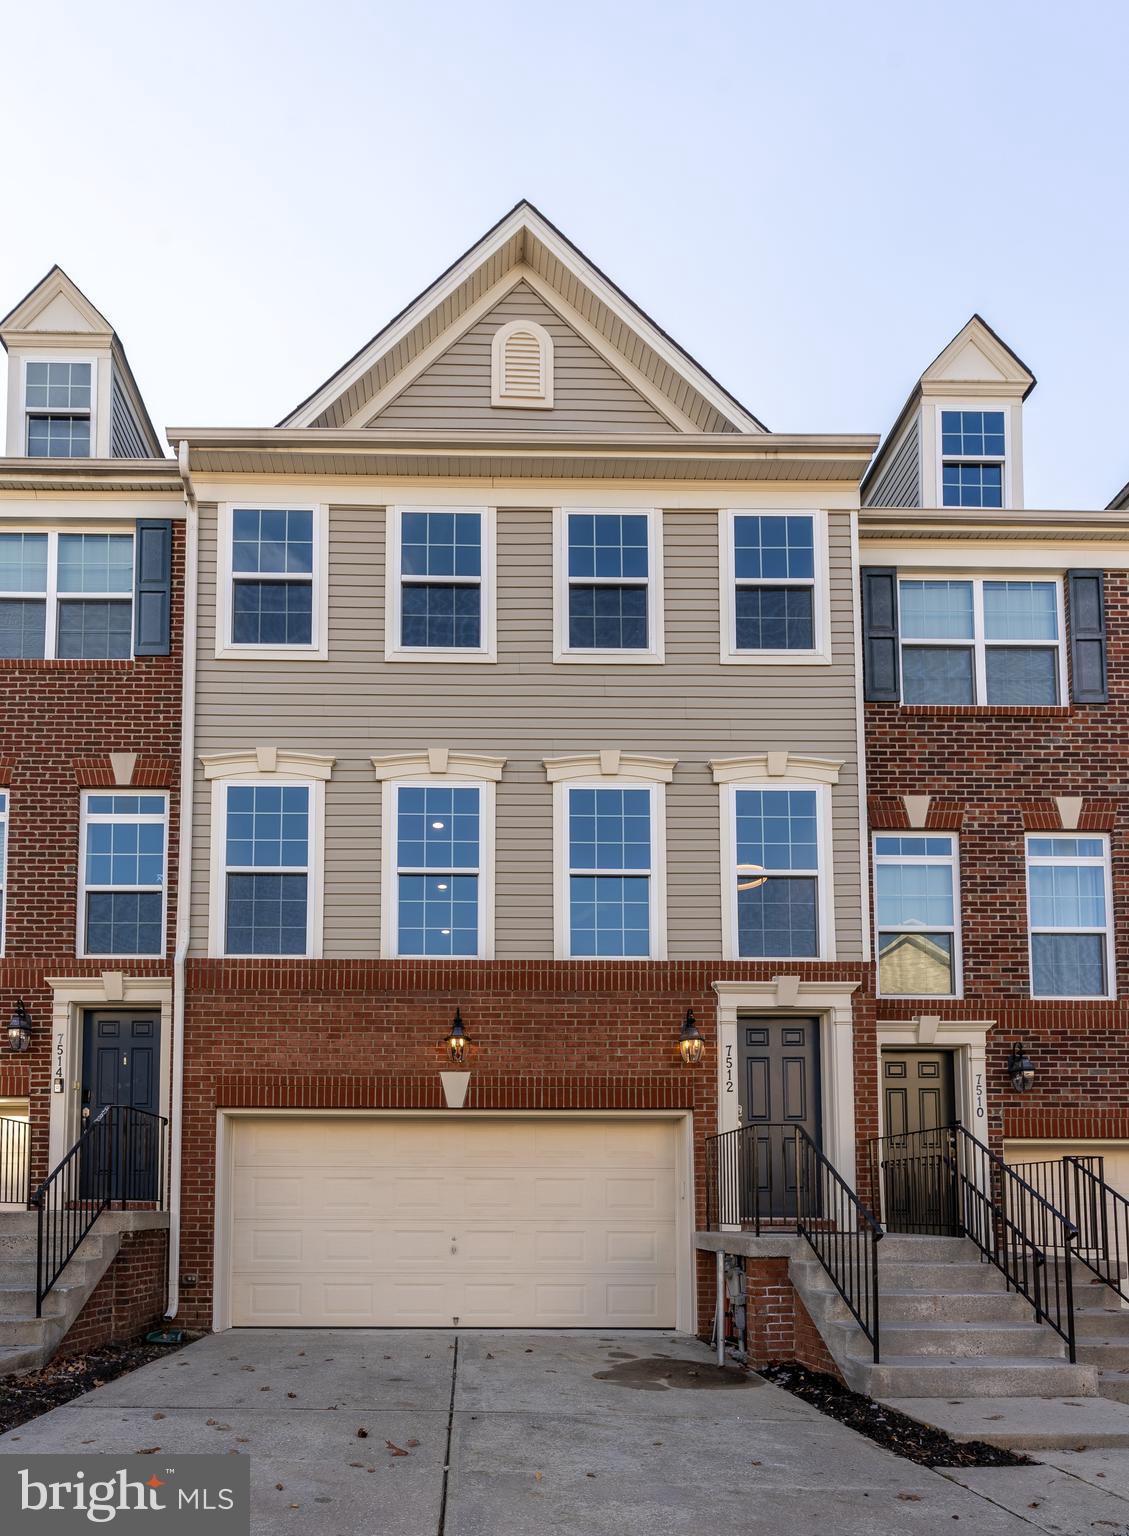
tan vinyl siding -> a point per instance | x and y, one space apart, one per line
454 393
526 708
899 484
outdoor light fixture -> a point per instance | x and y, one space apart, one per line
457 1041
690 1042
749 876
19 1028
1020 1069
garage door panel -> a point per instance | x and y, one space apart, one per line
417 1223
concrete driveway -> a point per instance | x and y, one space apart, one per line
579 1434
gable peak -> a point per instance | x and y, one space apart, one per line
55 306
978 355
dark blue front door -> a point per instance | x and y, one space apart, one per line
121 1065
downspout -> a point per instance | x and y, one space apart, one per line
184 868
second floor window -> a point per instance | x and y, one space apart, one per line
266 869
438 597
915 891
122 895
774 596
609 586
1071 932
272 576
776 882
438 854
66 595
610 872
58 404
980 641
972 458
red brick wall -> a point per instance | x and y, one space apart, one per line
365 1034
130 1297
778 1324
994 773
61 719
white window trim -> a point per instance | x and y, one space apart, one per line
498 396
654 653
84 819
978 644
6 821
825 894
953 861
1107 886
609 769
267 765
390 881
52 598
25 413
986 404
318 649
820 653
488 587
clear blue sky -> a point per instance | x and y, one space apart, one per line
811 197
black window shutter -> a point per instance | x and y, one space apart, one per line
152 606
880 671
1087 637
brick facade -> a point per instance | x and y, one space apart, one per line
994 774
129 1298
779 1326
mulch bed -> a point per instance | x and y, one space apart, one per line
26 1397
885 1426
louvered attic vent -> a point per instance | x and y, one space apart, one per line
522 373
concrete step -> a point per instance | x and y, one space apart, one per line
1101 1323
31 1330
903 1275
22 1272
974 1376
930 1342
954 1307
1109 1357
1025 1423
19 1300
18 1223
1114 1385
906 1245
20 1357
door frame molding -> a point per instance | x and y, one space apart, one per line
968 1041
73 997
827 1001
684 1223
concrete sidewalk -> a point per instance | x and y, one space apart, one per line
579 1434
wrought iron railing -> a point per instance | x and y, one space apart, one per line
13 1161
118 1160
1059 1180
1100 1212
913 1176
775 1176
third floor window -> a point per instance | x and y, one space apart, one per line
980 641
973 458
58 404
66 595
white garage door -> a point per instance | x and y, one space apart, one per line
1116 1154
481 1223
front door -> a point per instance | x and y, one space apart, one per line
917 1163
779 1081
121 1065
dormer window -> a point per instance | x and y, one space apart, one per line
58 405
522 366
972 458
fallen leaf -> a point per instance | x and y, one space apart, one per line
537 1477
264 1389
412 1444
394 1450
292 1394
147 1450
158 1415
356 1463
362 1434
280 1486
910 1498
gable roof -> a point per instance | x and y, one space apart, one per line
1120 502
57 306
976 360
525 246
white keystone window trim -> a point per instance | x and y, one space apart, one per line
917 913
799 862
608 589
278 584
123 873
443 591
59 405
1070 915
744 581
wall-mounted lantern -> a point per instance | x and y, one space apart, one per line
457 1041
1020 1068
19 1028
690 1042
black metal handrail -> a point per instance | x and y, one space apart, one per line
1102 1215
774 1175
13 1161
913 1177
118 1159
1029 1240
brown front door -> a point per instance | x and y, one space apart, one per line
779 1090
917 1162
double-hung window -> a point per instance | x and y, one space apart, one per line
438 833
1071 930
775 889
770 564
58 406
267 864
440 584
916 892
122 892
66 595
272 577
973 458
609 586
612 910
980 641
